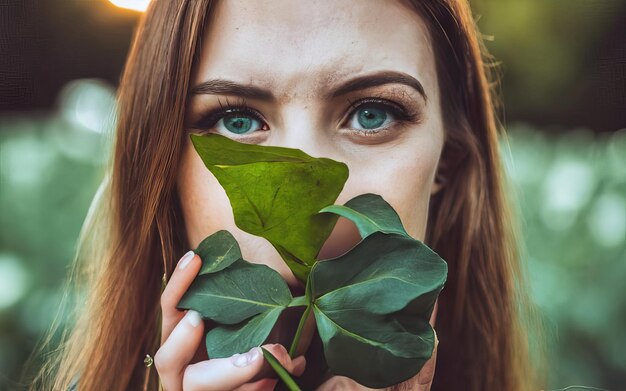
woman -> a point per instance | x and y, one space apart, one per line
397 90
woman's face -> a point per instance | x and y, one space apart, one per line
307 71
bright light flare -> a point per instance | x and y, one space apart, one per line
137 5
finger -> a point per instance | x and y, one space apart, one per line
178 350
221 374
184 273
427 373
294 366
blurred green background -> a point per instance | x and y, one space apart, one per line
563 68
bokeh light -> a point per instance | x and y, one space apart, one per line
13 280
136 5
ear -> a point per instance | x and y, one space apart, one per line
436 187
439 181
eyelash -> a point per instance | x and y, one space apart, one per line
401 114
208 120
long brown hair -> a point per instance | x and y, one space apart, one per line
134 231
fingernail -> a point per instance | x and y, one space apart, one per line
241 360
193 317
184 261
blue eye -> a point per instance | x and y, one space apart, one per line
238 123
370 116
240 120
375 116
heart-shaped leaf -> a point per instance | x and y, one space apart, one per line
276 193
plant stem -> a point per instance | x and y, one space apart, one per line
296 339
281 371
300 301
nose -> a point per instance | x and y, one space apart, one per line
301 129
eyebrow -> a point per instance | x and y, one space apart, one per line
227 87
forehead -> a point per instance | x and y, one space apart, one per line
299 47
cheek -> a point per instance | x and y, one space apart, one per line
203 200
404 181
403 176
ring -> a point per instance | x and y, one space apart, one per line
148 361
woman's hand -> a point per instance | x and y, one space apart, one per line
181 337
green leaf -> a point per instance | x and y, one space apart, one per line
372 307
276 194
377 352
383 273
282 373
224 341
237 292
218 251
370 213
245 298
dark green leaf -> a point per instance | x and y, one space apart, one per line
370 213
276 193
224 341
382 273
372 307
218 251
237 292
245 298
374 350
